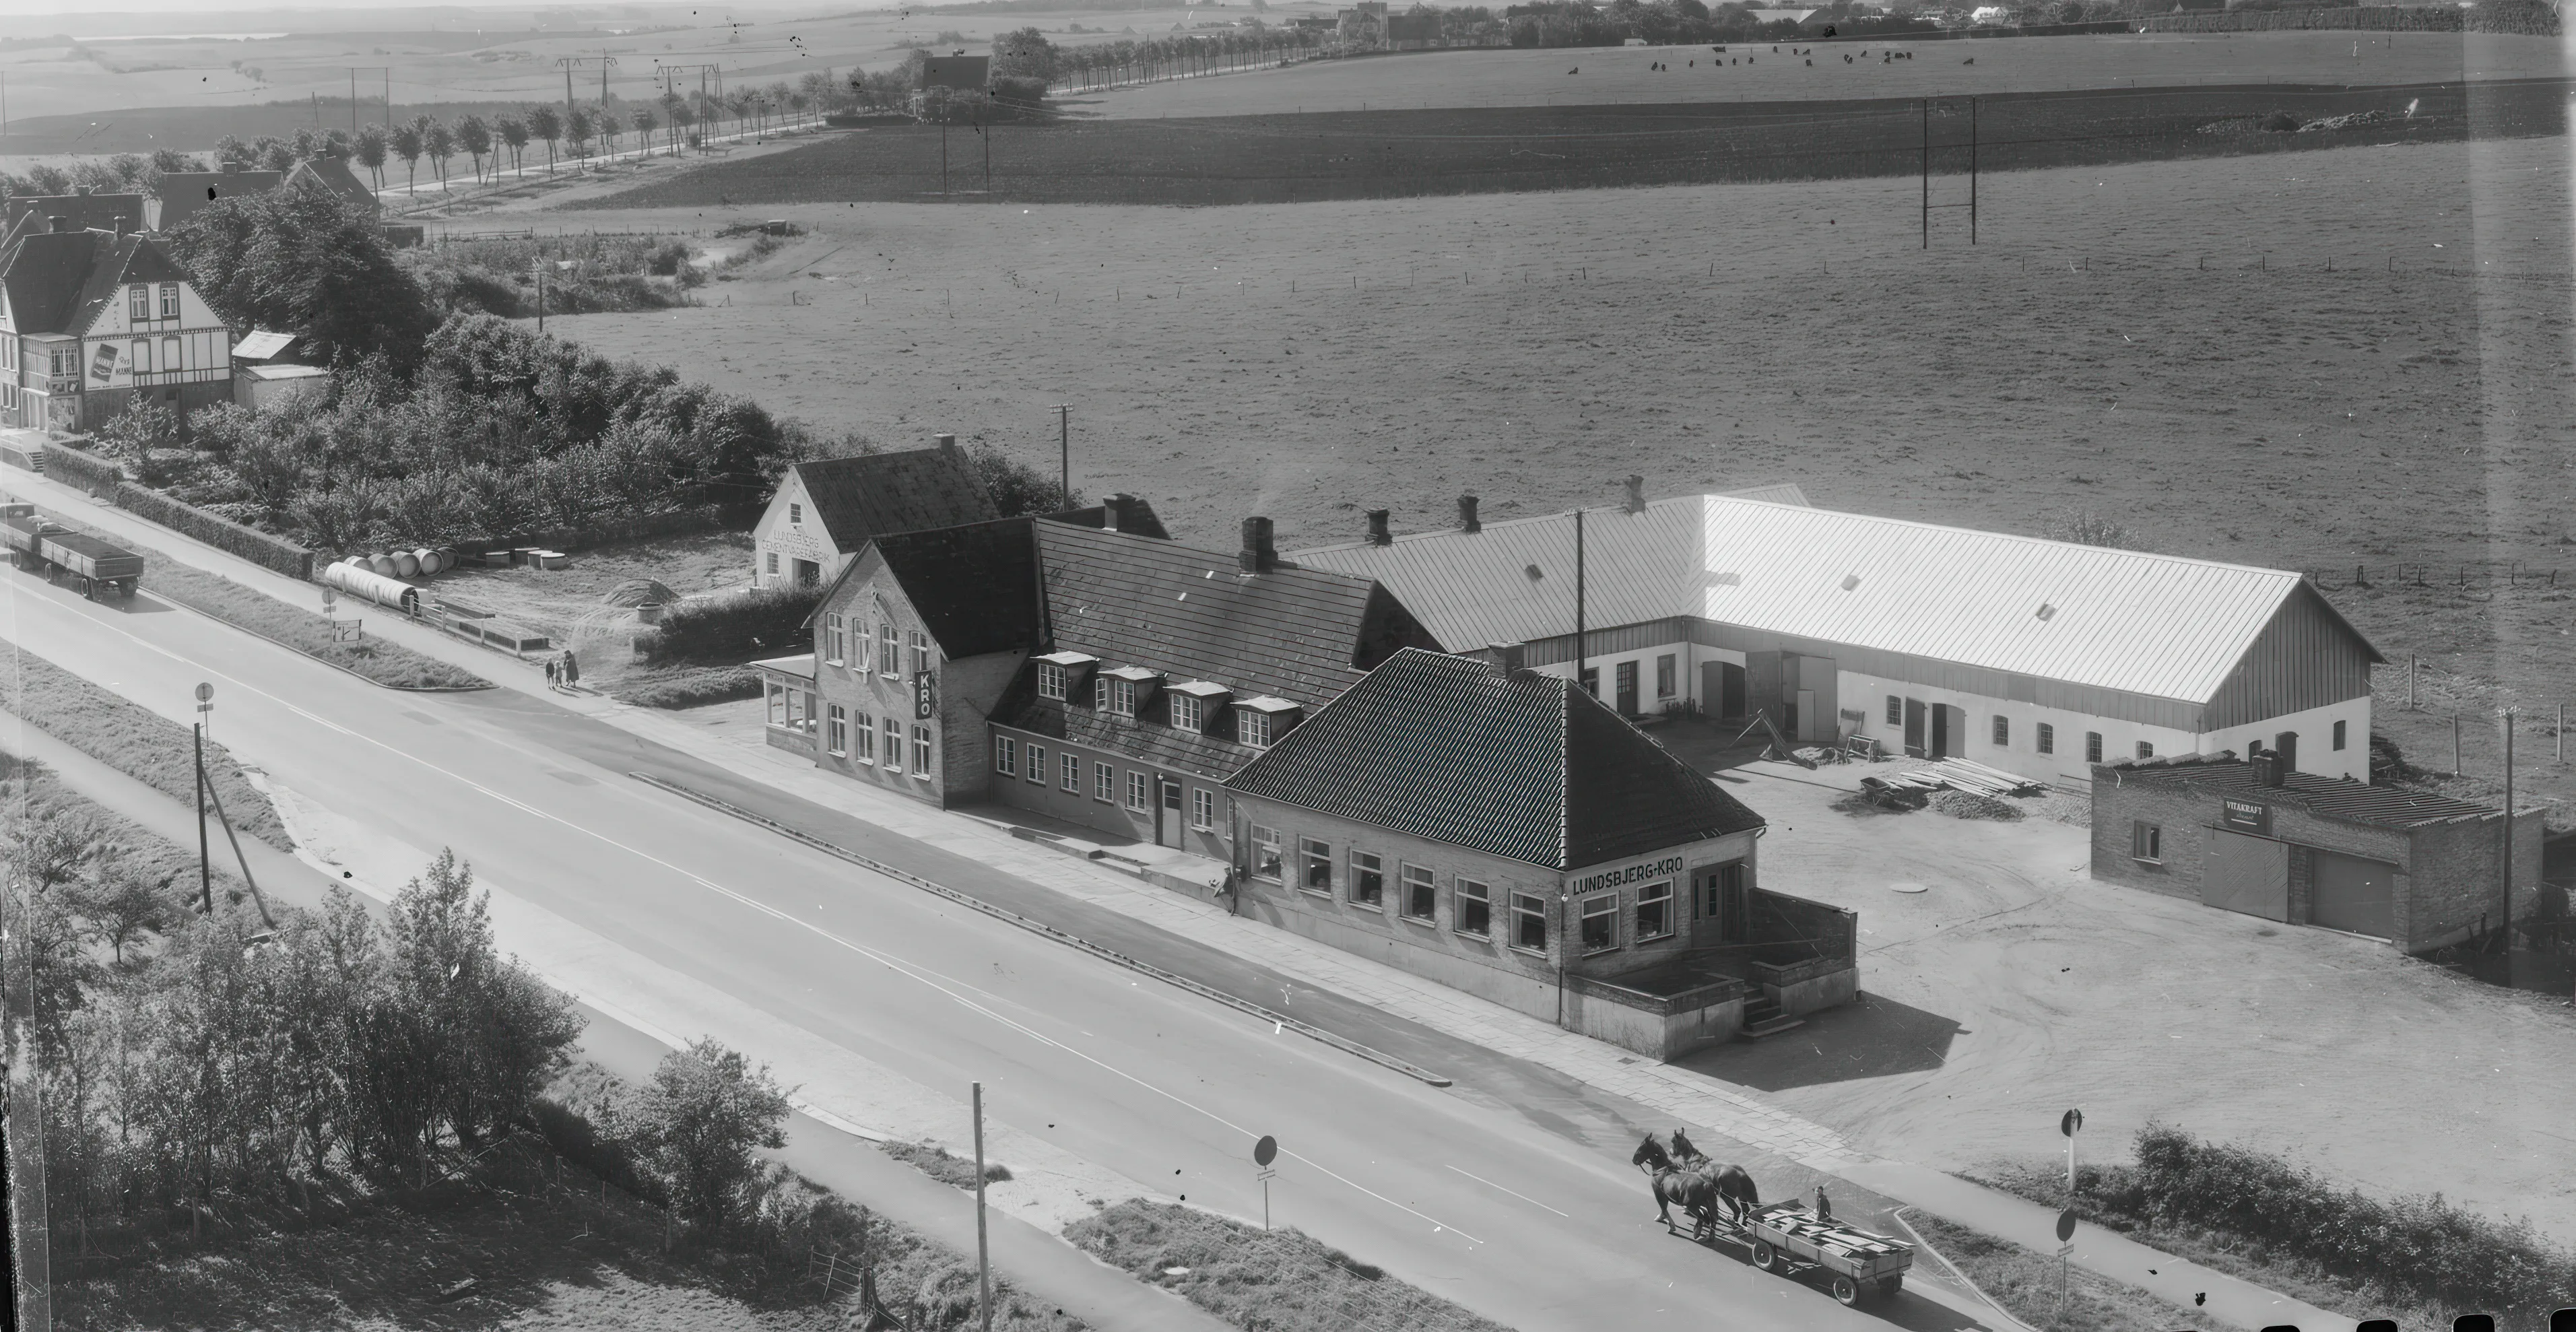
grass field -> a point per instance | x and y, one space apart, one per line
2027 1284
2262 410
1394 154
1503 77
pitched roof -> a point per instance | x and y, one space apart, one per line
2156 625
974 586
1525 766
873 494
184 192
2328 797
28 214
58 281
261 344
333 174
1129 599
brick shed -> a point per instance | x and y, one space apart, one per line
2419 871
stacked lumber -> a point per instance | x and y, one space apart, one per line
1958 774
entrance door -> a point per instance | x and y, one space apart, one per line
1721 688
1167 814
1914 711
1811 721
1762 685
2355 894
1940 747
2247 874
808 573
1627 685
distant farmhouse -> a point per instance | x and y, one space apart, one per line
182 193
94 320
823 512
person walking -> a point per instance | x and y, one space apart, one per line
571 669
553 668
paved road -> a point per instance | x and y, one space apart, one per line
1501 1204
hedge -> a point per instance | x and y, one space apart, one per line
89 471
769 620
268 552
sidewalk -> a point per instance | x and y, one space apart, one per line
1686 1097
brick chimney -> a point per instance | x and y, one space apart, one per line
1467 519
1636 494
1118 513
1259 555
62 224
1378 533
947 443
1511 659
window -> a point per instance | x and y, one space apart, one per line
2003 732
138 303
1655 911
921 751
2338 734
1475 907
1100 693
893 745
1895 710
1529 922
777 704
887 641
2046 738
1592 681
836 730
865 732
772 564
1122 698
2147 842
2145 750
2092 746
169 300
1265 852
920 652
142 357
795 513
1104 782
1315 870
835 640
1006 755
1667 676
1368 879
1072 780
1037 764
1137 794
1252 728
170 357
1051 680
1203 809
1421 899
1600 923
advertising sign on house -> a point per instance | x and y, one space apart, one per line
925 699
102 366
2249 816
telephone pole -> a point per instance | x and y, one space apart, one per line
387 71
1064 441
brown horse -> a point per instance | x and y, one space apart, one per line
1730 1183
1697 1193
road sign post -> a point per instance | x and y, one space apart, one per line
1263 1153
2065 1247
983 1256
2070 1124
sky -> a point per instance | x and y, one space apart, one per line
155 17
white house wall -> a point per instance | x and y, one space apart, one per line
2315 729
2065 767
792 541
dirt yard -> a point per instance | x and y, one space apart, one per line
568 605
1567 77
2015 987
2406 414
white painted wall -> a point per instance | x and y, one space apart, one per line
802 539
2315 726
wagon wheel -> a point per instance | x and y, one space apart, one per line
1764 1256
1846 1291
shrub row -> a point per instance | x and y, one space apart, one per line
268 552
87 470
766 619
2416 1246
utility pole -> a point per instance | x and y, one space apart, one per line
606 61
1579 643
1972 171
1064 442
387 71
541 292
568 62
983 1255
2505 921
205 867
1927 173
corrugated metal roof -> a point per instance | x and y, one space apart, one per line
260 344
2158 625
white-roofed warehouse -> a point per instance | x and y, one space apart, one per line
2035 656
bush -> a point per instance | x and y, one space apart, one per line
957 1172
268 552
89 471
1254 1278
687 687
2281 122
768 620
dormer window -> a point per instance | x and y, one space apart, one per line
1060 673
1259 722
1195 703
1123 688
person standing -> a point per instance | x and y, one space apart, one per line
571 669
553 668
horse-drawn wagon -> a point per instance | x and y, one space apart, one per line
1789 1239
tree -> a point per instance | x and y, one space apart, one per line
474 134
440 142
577 130
1016 487
276 154
2085 527
407 143
609 128
645 123
231 151
514 132
546 124
123 901
371 152
701 1124
301 259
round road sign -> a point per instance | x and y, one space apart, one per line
205 693
2066 1224
1265 1151
2071 1122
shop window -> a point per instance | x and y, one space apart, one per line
1895 710
2146 750
1529 922
836 730
1006 755
2147 842
1203 809
1600 923
1475 908
2339 734
1051 680
2045 738
2092 746
1104 782
1265 852
1072 780
1037 763
1421 899
1368 879
1315 874
1655 911
1667 676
